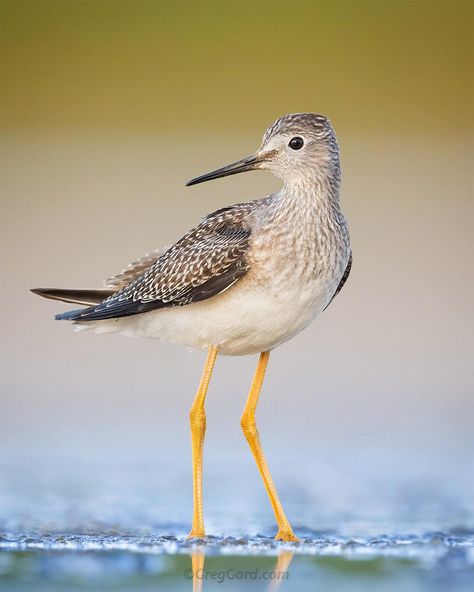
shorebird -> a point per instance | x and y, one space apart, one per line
247 278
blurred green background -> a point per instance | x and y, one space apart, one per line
107 108
201 67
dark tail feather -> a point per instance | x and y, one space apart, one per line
70 315
84 297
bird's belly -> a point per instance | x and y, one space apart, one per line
243 320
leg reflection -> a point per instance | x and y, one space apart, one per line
281 570
197 562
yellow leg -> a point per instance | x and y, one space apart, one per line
197 418
249 427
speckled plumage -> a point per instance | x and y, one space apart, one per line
251 275
206 260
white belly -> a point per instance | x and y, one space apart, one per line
245 319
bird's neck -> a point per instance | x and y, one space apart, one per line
311 199
306 228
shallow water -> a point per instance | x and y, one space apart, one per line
121 561
88 527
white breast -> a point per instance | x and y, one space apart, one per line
247 318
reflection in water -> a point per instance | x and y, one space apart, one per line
197 560
281 568
275 577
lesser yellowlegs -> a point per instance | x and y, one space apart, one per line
247 278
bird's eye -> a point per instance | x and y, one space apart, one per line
296 143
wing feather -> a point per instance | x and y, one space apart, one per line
134 270
343 280
206 261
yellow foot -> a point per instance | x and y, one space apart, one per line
286 535
196 533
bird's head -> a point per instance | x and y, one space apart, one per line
295 147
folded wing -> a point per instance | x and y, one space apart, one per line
206 261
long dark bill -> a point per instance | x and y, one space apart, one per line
246 164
